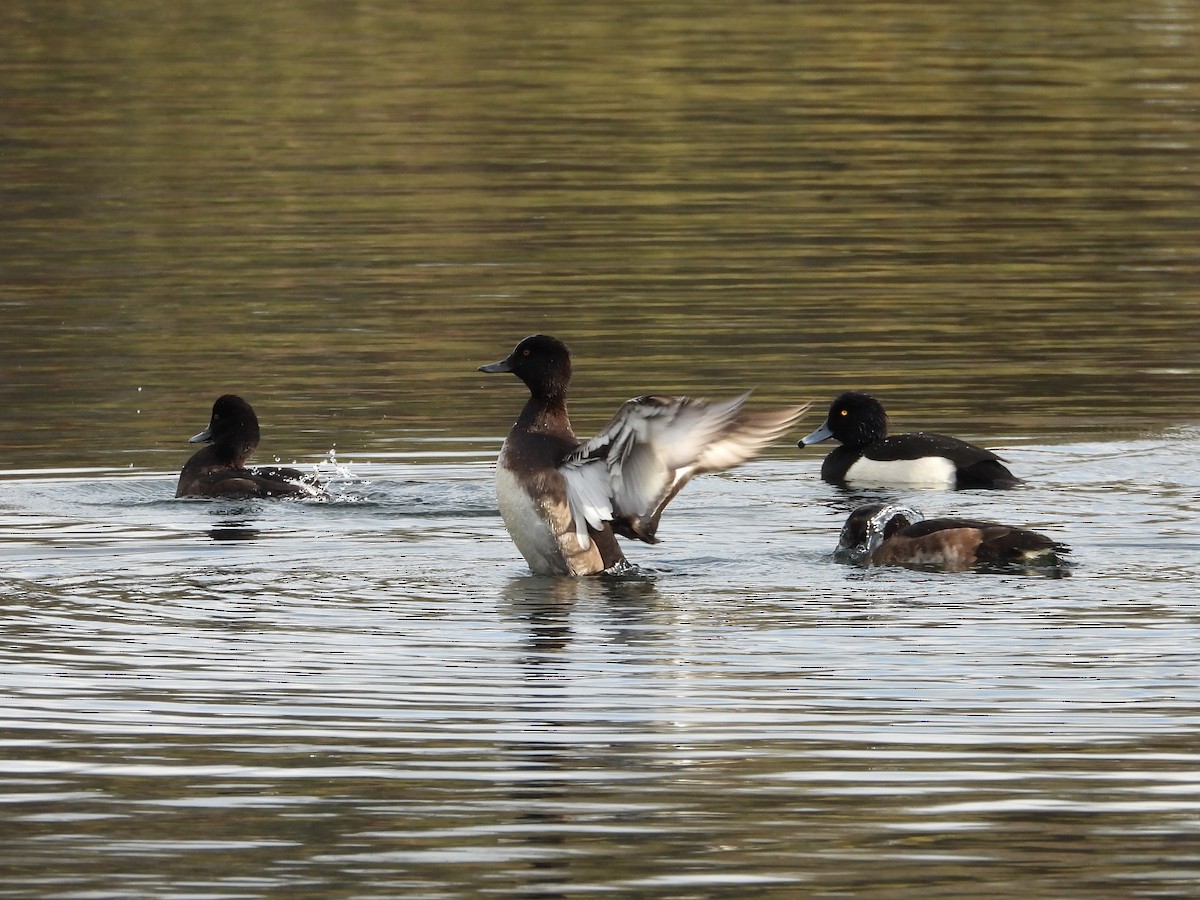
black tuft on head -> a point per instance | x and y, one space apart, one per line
870 525
232 429
856 532
857 419
542 362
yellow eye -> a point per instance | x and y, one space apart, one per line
843 412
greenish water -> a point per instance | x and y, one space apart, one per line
987 214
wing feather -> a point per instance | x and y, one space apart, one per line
653 446
588 495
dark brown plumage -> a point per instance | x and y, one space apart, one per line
219 470
883 534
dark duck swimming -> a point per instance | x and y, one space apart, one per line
219 470
869 457
888 534
564 500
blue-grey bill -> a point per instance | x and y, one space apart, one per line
821 434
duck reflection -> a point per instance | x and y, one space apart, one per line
545 604
559 709
234 530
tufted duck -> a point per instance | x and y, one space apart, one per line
868 457
220 469
564 500
887 534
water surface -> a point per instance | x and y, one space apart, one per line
986 214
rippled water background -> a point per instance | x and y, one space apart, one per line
985 213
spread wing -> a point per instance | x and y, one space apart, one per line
653 446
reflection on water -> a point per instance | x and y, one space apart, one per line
234 530
983 213
371 691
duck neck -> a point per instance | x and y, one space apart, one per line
235 455
547 412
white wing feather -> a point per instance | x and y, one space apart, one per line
588 494
653 446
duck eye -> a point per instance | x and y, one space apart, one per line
525 352
843 412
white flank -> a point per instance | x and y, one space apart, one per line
529 529
932 471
